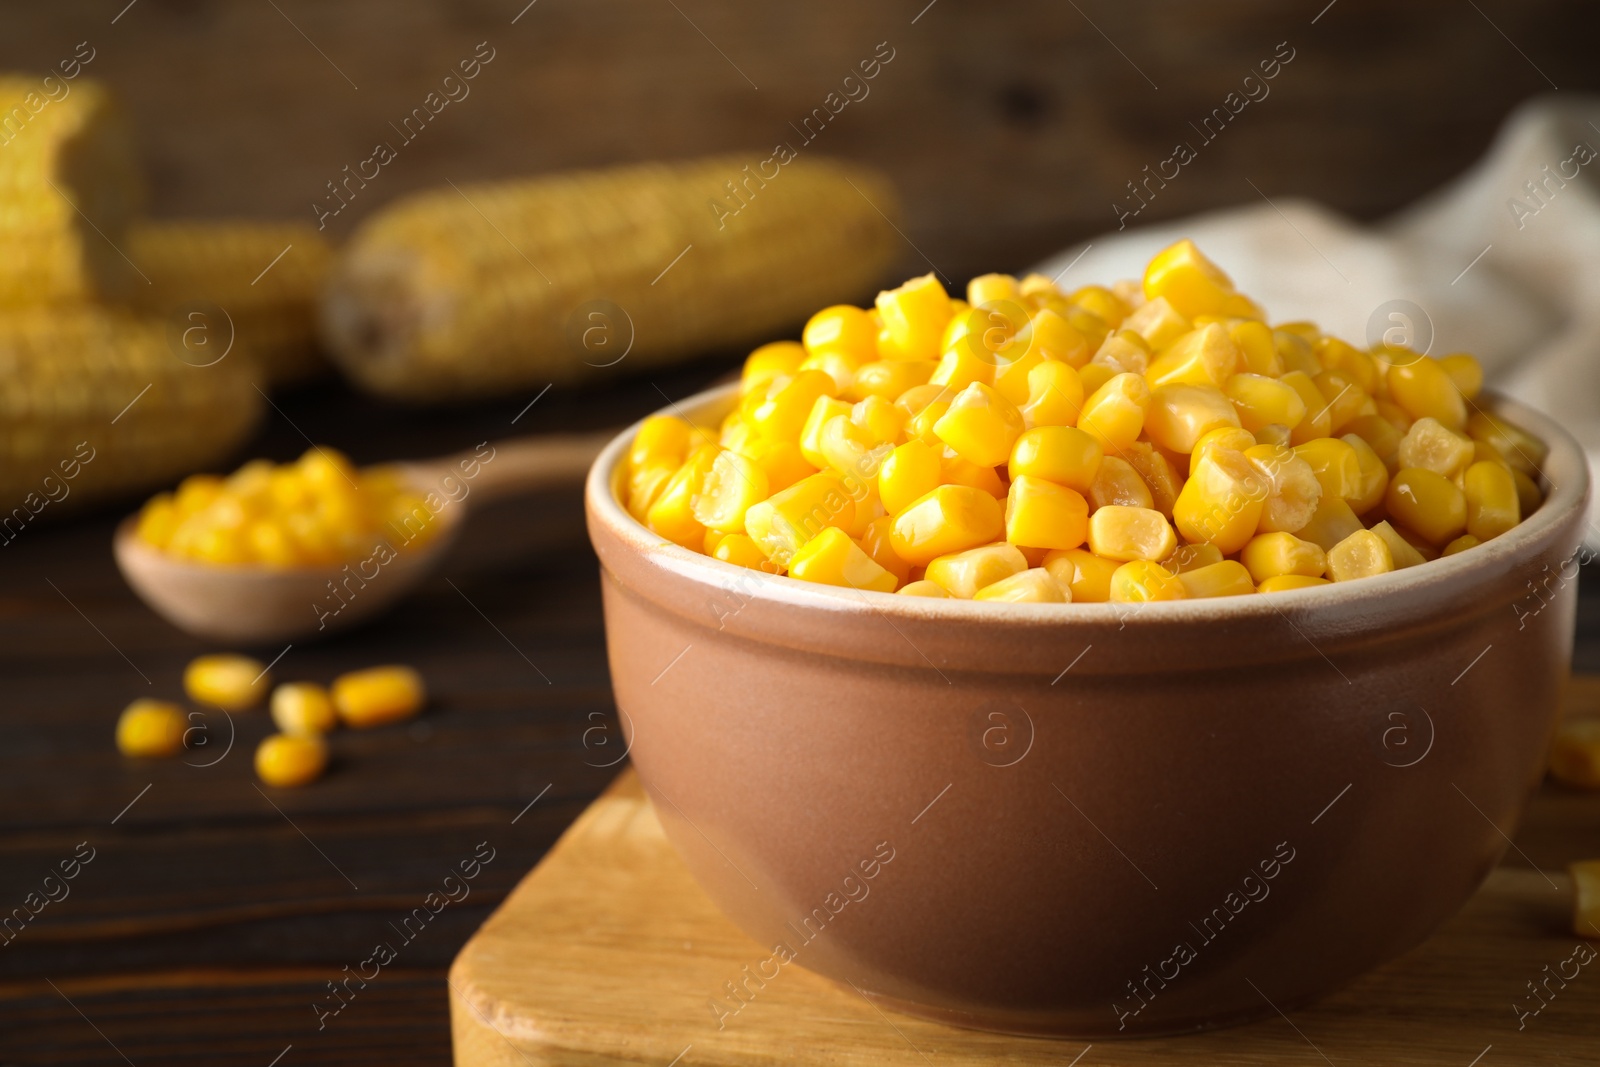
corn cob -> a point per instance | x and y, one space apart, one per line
66 172
226 263
490 288
93 403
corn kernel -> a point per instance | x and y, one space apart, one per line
378 695
877 541
1430 446
1258 350
962 574
1261 401
981 425
1361 555
1374 476
780 359
1492 506
781 414
1316 422
726 492
924 405
838 365
1293 490
289 760
1271 554
781 461
1428 503
1114 415
1295 351
1118 483
645 485
1460 544
151 729
1238 439
960 367
1042 514
226 681
1061 454
1158 474
1423 389
157 520
1157 322
1102 302
823 409
953 470
1141 581
907 474
1129 533
1187 557
1331 523
1180 414
1033 586
1055 395
1394 414
949 519
1187 280
1465 371
923 587
1085 575
1575 756
1123 352
914 317
1522 450
889 379
832 558
1380 434
849 448
1274 433
1401 551
1289 581
742 551
303 708
1336 466
1056 339
788 519
1206 356
1224 578
844 328
1528 495
1355 365
1092 376
1222 501
672 513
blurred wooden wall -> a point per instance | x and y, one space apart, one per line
1011 128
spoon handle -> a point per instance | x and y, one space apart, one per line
514 466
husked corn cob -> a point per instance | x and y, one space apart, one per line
273 310
66 170
483 289
95 402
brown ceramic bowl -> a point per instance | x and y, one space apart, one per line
1090 819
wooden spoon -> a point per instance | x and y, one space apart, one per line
256 604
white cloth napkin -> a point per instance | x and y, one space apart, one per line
1502 262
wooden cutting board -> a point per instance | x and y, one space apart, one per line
609 953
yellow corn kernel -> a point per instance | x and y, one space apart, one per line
1331 523
882 420
1188 281
378 695
980 425
1460 544
1042 514
742 551
1374 476
1345 400
196 492
1092 376
1394 414
782 413
850 449
889 379
844 328
1293 491
1361 555
1335 464
1061 454
1289 581
831 558
787 519
1158 474
271 543
1586 905
151 729
1274 433
157 521
960 367
1380 434
226 681
924 405
1465 371
1428 503
1271 554
781 461
712 539
303 708
1055 395
907 474
1529 496
1141 581
1102 302
1355 365
1258 351
1118 483
290 760
1224 578
1423 389
1180 414
1238 439
1033 586
951 518
923 587
1158 323
1187 557
1430 446
1575 761
780 359
1492 506
836 364
726 492
1057 339
326 468
1522 450
1205 356
1222 501
877 541
1014 365
1401 551
822 409
672 513
1086 576
1316 422
963 573
1261 401
953 470
914 317
1129 533
1123 352
1295 349
1114 415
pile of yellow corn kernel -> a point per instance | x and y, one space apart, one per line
303 711
317 511
1153 441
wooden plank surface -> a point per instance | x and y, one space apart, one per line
609 954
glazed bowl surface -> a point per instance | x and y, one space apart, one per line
1090 819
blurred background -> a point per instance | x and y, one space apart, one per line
208 924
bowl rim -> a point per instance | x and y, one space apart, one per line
1561 502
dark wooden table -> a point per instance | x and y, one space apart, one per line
214 914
